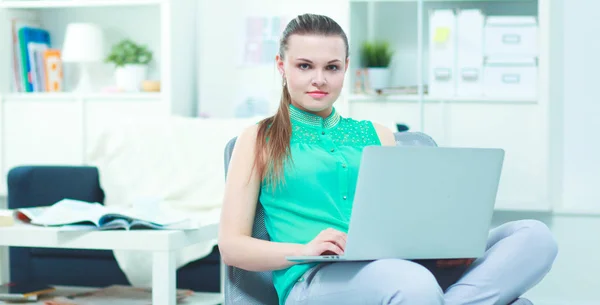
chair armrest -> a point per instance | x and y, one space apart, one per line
32 186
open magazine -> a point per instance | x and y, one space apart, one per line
69 212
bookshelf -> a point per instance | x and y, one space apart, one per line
90 97
519 124
400 98
16 4
59 128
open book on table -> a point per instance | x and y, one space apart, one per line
81 214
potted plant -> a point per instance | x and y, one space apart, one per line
376 58
131 62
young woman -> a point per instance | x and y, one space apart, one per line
302 165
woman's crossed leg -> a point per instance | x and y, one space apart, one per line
519 254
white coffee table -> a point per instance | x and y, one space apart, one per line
162 245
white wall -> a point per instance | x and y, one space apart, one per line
575 159
581 104
223 82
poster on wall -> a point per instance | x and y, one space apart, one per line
260 40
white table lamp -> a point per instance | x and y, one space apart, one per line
84 44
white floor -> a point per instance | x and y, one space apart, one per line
564 302
574 278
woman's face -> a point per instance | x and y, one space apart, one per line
314 67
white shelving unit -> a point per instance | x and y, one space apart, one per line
59 128
519 125
17 4
400 98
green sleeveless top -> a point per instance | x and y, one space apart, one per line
318 189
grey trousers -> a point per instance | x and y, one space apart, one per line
519 254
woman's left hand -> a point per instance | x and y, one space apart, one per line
449 263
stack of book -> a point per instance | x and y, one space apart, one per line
37 67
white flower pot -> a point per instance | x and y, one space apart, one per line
379 78
130 77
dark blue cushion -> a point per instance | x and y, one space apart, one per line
32 186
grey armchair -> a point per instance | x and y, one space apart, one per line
256 288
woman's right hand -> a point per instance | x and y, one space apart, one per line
328 242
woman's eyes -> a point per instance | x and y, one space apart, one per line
307 66
304 66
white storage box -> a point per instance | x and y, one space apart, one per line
469 49
442 52
511 79
511 36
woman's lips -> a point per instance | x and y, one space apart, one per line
317 94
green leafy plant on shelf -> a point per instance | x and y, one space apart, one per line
376 54
127 52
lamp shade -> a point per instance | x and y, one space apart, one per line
84 42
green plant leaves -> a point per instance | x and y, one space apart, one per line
128 52
377 54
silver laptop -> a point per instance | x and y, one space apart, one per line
421 203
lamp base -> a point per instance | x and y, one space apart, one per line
84 84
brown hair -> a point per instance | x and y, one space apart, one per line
274 133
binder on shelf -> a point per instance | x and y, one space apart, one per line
33 43
469 57
19 78
442 50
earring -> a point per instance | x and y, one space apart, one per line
284 82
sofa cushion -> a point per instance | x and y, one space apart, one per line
165 165
172 160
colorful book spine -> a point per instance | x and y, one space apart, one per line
30 46
53 70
